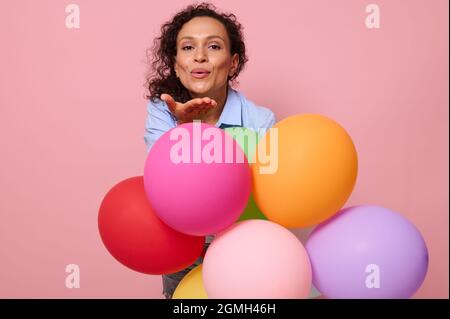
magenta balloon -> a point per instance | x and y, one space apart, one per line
191 183
367 252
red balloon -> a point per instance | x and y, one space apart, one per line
137 238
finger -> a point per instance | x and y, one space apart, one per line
194 104
209 102
171 103
199 105
207 106
189 105
193 108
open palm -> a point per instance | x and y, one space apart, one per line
195 109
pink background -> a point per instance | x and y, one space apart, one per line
72 113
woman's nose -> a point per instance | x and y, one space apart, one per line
200 56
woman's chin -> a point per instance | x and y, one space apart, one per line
199 89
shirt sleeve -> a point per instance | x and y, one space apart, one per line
159 120
268 122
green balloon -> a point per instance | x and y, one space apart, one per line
248 140
251 211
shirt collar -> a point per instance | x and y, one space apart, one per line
232 111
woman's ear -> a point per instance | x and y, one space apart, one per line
234 64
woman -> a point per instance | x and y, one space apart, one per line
198 54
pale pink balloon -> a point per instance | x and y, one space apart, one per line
257 259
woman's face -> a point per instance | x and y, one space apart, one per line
203 61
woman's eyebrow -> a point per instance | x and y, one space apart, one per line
208 37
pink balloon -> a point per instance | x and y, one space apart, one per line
256 259
195 184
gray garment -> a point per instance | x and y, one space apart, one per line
171 281
209 239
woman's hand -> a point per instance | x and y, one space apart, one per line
195 109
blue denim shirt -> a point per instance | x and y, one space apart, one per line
237 112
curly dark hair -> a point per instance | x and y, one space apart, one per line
162 78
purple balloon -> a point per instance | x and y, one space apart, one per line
367 252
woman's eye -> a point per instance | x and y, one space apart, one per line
189 47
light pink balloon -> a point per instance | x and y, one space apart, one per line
256 259
188 189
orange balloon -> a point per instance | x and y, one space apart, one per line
304 171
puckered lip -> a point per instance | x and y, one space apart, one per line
199 70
